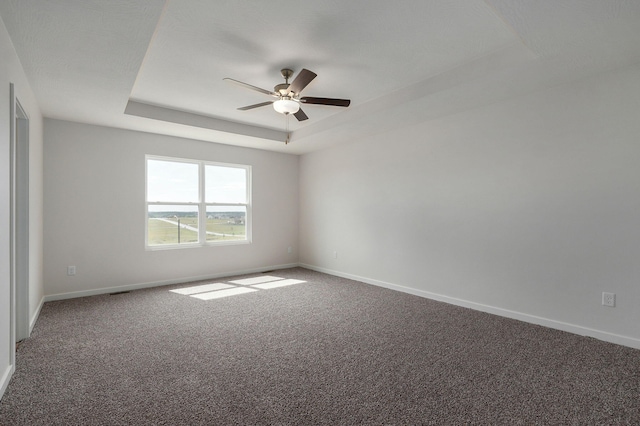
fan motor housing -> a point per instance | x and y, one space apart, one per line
282 88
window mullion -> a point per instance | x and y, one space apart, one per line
202 211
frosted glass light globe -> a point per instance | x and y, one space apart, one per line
286 106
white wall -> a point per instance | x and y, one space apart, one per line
11 72
528 208
95 211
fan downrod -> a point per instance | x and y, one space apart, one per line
282 88
286 74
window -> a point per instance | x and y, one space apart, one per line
193 203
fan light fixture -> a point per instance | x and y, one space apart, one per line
287 95
286 106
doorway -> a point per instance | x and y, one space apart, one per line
19 220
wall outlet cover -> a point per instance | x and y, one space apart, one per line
609 299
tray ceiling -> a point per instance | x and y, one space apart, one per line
158 66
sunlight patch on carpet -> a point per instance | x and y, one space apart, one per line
256 280
212 291
201 288
223 293
275 284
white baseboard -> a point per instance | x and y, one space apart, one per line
5 378
35 316
130 287
546 322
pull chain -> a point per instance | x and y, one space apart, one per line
286 142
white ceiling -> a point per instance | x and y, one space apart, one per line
158 66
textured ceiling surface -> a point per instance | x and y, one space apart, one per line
158 66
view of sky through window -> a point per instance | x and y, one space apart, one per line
225 184
178 182
172 181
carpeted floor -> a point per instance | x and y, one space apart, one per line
324 351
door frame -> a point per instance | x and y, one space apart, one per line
19 222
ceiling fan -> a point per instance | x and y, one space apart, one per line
287 95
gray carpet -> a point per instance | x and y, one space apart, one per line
327 351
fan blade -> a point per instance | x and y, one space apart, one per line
300 115
326 101
303 78
249 86
255 106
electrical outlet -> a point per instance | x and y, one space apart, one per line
289 250
71 270
609 299
335 254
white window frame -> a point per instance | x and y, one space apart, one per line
201 205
